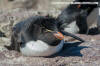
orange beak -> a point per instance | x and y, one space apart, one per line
59 35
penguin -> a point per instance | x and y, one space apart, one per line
38 36
80 13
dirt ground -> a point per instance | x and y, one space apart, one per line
72 54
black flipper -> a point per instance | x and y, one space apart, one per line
72 35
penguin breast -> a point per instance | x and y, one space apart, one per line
40 48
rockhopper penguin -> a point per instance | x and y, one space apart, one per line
84 15
37 36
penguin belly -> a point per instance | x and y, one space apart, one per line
40 48
72 28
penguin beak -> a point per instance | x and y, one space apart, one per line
59 35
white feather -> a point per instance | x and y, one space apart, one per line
72 28
40 48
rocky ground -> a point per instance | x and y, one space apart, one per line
72 54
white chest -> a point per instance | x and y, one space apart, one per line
40 48
72 28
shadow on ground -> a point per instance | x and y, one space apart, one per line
70 49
